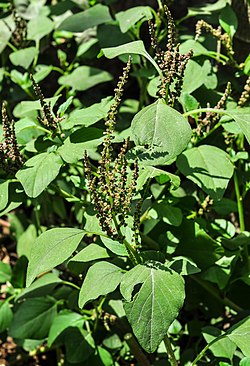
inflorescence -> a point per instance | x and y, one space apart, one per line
113 185
10 157
245 96
20 31
171 62
217 33
49 121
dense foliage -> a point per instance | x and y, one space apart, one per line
124 183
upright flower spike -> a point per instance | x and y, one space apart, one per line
170 61
245 96
11 159
110 188
48 120
20 31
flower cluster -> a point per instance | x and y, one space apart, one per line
49 120
113 184
244 98
217 33
170 61
10 157
212 118
20 31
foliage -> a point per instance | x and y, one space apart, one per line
124 213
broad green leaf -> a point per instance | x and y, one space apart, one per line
85 77
86 138
63 107
240 335
52 248
62 321
245 361
184 266
24 107
26 240
169 214
101 279
191 83
79 345
149 172
160 133
196 244
6 315
114 246
5 272
89 18
197 47
130 17
207 166
23 57
41 287
39 27
224 347
242 118
5 33
135 47
90 115
228 20
153 307
4 194
90 253
33 319
38 172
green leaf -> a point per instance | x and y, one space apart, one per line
101 279
52 248
130 17
86 138
160 133
242 118
169 214
245 361
5 272
4 194
33 319
114 246
79 345
23 108
41 287
149 172
6 315
153 307
184 266
89 18
201 73
39 27
23 57
223 347
90 115
85 77
196 244
207 166
26 240
62 321
38 172
136 47
90 253
228 20
240 335
63 107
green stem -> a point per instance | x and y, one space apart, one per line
202 353
214 292
241 217
204 110
170 351
71 284
136 350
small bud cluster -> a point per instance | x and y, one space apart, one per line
171 62
20 31
245 96
223 38
205 205
110 186
10 157
48 120
213 117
